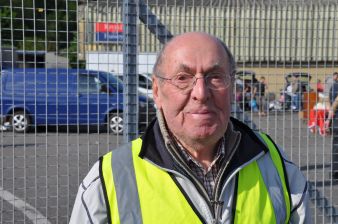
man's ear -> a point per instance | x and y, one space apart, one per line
156 90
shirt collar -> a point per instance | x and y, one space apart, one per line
219 153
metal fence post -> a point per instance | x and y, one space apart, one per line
130 101
153 24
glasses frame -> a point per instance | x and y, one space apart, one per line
227 80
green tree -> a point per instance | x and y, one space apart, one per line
5 24
39 24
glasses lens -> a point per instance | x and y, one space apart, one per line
183 80
217 81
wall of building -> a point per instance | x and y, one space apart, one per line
254 33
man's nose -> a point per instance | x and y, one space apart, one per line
200 91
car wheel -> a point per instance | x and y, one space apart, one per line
20 122
115 123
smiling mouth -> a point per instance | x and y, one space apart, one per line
201 114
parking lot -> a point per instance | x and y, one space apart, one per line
312 153
45 169
40 172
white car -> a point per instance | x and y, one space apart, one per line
145 84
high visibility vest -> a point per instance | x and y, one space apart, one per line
137 191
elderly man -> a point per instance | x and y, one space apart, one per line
194 164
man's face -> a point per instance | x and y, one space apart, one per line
200 115
335 76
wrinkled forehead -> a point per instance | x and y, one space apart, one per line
195 42
203 51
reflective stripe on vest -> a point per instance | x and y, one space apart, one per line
109 189
161 200
273 202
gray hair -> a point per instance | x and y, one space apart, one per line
160 58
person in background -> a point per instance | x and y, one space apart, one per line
194 164
320 86
296 94
239 93
328 85
247 96
333 120
260 89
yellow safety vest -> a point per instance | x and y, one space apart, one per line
253 201
161 201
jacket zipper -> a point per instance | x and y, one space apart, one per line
200 188
218 192
216 211
218 204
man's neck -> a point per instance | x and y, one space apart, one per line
203 153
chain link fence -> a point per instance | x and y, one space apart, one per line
76 83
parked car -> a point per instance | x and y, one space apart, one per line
304 78
145 84
286 92
43 97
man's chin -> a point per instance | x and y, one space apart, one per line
203 133
200 141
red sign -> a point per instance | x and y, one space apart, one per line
109 27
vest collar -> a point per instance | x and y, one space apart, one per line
154 149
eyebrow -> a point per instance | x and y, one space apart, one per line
187 68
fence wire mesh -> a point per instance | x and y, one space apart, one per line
69 88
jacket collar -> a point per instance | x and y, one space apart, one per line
154 149
153 146
249 146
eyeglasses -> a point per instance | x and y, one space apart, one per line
185 81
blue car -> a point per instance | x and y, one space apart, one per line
43 97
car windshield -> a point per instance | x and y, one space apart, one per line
145 81
114 81
303 77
